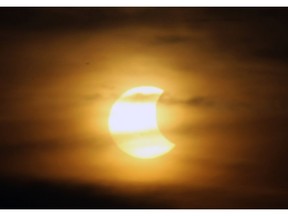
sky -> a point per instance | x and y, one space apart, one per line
224 76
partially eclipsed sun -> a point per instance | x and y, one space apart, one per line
133 123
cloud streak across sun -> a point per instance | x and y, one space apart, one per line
133 123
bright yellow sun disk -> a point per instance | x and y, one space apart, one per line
133 123
148 146
132 117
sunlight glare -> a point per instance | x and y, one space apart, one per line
133 123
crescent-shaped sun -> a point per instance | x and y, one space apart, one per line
133 123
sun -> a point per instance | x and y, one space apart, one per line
133 123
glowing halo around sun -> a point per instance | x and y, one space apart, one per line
133 123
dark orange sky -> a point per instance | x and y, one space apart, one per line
224 72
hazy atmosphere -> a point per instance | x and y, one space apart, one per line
224 107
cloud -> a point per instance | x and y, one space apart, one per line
170 39
141 97
203 102
200 101
197 101
40 193
93 97
106 96
194 101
